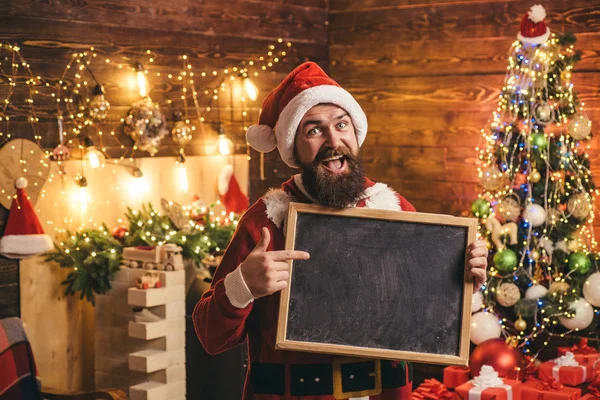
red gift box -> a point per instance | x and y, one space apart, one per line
548 390
590 397
511 390
569 374
584 354
455 376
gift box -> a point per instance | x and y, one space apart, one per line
566 370
590 397
455 376
488 386
548 390
584 354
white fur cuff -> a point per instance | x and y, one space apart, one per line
236 289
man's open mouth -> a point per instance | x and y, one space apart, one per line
334 163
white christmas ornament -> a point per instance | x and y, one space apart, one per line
536 292
484 326
591 289
579 205
508 294
584 314
476 302
536 214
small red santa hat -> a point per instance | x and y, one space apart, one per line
533 27
282 110
231 195
23 235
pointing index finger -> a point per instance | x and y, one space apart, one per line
284 255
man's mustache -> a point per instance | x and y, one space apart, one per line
329 152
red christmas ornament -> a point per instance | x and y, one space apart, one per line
158 285
520 179
504 359
118 232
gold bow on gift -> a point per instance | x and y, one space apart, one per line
498 231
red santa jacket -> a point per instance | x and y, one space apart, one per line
221 325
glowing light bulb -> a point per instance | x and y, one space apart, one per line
250 89
182 177
224 145
142 82
92 155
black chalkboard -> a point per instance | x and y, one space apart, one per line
378 283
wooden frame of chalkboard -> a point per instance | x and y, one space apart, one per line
298 330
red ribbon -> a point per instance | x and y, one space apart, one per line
582 347
432 389
549 384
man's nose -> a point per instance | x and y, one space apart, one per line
333 139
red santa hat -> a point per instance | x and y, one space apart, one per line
282 110
23 235
231 195
533 27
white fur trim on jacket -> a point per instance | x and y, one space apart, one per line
292 114
378 196
23 246
237 290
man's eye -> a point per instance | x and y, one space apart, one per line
314 131
342 125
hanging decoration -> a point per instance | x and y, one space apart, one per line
145 125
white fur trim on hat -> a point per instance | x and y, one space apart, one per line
23 246
261 138
292 114
534 40
537 13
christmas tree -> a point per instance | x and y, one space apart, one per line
536 206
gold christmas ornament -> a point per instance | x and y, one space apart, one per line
579 127
534 255
509 208
520 324
579 205
508 294
492 179
535 176
559 287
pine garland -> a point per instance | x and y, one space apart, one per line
94 256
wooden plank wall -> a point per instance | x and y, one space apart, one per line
214 34
428 74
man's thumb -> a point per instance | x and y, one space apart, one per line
265 239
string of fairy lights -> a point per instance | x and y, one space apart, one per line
80 103
520 112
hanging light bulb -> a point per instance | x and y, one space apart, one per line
182 173
98 105
141 80
250 88
224 144
82 195
92 155
182 131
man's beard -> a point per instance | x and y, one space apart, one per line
334 190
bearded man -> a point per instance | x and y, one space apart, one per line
319 127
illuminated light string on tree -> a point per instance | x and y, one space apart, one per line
75 109
535 160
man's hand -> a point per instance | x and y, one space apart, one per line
477 254
266 272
